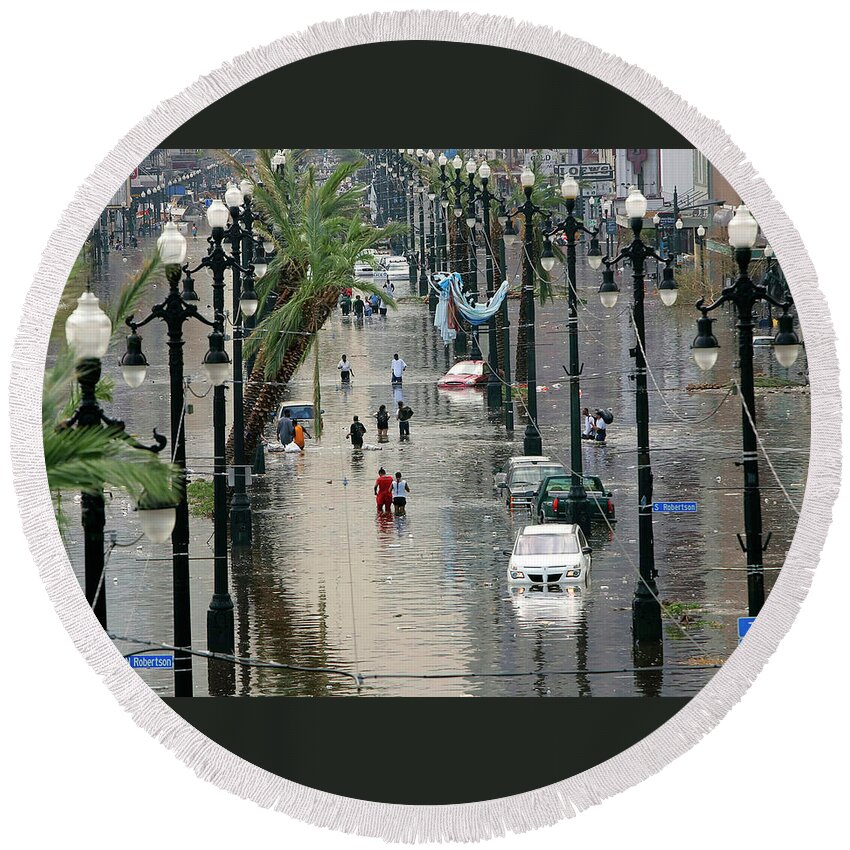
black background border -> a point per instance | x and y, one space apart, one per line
426 750
543 104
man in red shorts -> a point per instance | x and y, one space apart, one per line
383 491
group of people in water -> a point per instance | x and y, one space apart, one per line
291 432
391 491
365 307
403 415
595 425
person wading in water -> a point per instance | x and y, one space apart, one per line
382 418
403 414
383 491
400 491
346 373
356 432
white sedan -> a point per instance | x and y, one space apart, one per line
549 554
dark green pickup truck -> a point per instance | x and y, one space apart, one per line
551 503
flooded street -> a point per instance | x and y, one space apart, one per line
330 584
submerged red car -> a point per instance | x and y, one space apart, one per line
466 373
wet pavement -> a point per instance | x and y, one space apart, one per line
330 584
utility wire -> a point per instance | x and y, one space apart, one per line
360 678
764 450
658 389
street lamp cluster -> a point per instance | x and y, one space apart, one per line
743 293
532 441
230 221
88 331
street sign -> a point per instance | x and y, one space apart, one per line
546 161
668 219
151 662
744 624
674 507
611 226
587 171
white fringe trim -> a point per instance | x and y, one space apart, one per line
472 821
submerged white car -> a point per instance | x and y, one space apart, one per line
549 554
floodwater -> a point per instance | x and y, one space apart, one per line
329 584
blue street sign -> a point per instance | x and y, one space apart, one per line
612 226
151 662
744 624
674 507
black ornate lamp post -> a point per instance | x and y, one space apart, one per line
432 232
220 631
502 218
532 442
460 344
578 508
494 385
700 240
679 226
443 223
175 310
423 263
411 216
471 288
245 303
88 331
646 609
744 294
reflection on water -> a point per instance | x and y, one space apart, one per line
330 583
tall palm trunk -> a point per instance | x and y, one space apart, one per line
271 393
521 366
522 329
499 274
255 382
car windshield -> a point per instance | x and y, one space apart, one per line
546 544
467 369
304 411
533 475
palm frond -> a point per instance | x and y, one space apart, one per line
75 286
131 294
90 459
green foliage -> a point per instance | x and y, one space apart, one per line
131 294
766 382
89 459
685 616
201 496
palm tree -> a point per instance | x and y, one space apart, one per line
319 233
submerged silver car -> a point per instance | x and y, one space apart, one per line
550 554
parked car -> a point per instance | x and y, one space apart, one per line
512 462
551 502
386 259
521 479
396 267
303 411
550 554
465 373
